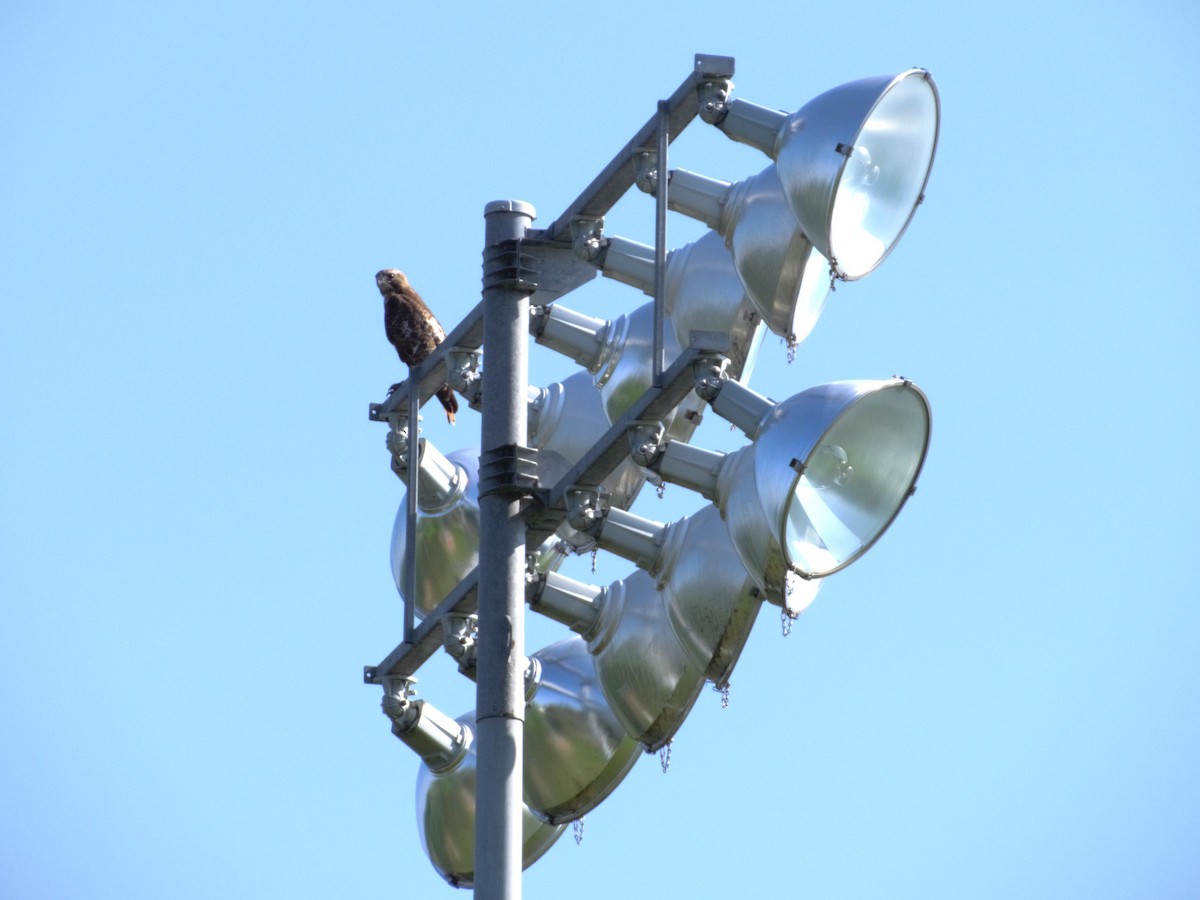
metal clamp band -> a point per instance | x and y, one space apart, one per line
510 470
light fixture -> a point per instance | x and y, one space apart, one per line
854 161
446 787
576 752
618 353
709 596
703 292
650 680
447 523
712 601
566 420
827 472
824 475
785 279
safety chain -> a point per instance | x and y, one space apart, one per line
787 619
723 690
577 827
664 755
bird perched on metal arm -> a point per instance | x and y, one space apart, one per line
412 328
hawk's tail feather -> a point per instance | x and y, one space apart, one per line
449 402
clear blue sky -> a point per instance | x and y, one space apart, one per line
1001 699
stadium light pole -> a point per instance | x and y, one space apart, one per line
825 473
500 683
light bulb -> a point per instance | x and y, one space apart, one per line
860 170
830 466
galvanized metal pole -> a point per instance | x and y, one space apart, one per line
500 691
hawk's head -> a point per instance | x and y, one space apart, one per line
391 281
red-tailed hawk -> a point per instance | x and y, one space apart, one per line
411 328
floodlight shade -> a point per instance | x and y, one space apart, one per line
650 680
446 816
447 544
567 420
576 750
710 598
854 163
786 278
628 370
703 293
828 472
709 602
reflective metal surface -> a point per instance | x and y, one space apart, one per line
626 368
567 420
888 437
785 278
447 534
856 479
648 677
855 161
446 817
710 598
705 293
576 750
576 753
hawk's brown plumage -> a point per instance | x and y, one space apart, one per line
411 328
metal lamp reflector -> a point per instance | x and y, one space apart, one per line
785 279
446 809
854 162
785 276
576 750
445 795
848 484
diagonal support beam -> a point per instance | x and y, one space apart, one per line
599 462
